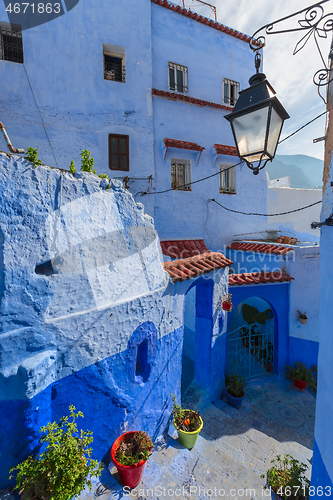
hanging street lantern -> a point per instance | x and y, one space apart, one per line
257 121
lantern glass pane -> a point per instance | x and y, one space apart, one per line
274 132
250 131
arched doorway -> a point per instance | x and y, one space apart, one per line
251 338
198 328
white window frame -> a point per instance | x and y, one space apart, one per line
230 90
173 67
227 179
119 53
186 174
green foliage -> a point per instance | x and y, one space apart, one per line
32 156
252 315
87 163
185 420
103 176
72 168
301 372
287 478
236 385
64 468
135 450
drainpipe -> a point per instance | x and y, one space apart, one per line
9 144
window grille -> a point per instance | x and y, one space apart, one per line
11 47
227 179
181 175
178 78
230 91
114 68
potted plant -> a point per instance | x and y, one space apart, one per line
301 375
303 319
188 424
64 469
226 302
286 479
129 453
235 389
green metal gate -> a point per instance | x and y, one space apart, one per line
251 350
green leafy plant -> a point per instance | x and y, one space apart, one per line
287 478
235 385
135 450
87 162
64 469
103 176
72 168
300 372
32 156
185 420
302 315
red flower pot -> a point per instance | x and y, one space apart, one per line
227 306
268 367
130 475
299 384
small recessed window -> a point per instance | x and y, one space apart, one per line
181 174
178 78
11 47
142 370
227 179
118 152
230 91
114 63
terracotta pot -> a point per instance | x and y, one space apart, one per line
303 321
227 306
268 367
299 384
130 475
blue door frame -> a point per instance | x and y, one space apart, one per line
277 295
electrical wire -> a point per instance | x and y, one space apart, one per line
266 215
321 114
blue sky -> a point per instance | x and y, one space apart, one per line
290 76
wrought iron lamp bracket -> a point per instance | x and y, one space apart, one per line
260 166
313 21
326 222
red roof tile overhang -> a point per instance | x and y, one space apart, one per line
258 278
201 19
183 249
190 100
174 143
259 248
221 149
193 267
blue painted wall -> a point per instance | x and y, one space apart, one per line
210 56
64 63
73 335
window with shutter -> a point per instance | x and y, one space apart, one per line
178 78
181 174
118 152
230 91
227 179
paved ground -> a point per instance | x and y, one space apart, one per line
234 448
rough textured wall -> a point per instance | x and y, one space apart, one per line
83 294
63 72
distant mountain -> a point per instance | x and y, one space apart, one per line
305 171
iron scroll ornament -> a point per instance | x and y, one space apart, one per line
315 22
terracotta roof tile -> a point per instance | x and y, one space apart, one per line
192 267
259 247
183 249
191 100
174 143
256 278
221 149
201 19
